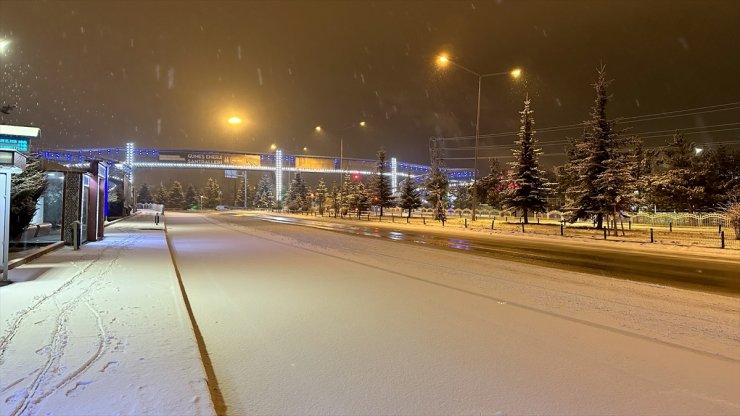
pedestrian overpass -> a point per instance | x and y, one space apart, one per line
130 158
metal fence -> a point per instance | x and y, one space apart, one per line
705 230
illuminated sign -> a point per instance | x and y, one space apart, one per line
210 159
14 143
302 162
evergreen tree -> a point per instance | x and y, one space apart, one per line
335 199
345 195
492 186
410 198
176 196
25 190
145 195
239 196
463 196
162 196
603 164
263 196
320 193
191 197
530 189
676 183
362 199
297 197
382 192
213 193
437 186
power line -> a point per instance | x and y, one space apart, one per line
634 119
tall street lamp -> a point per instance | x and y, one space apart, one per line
515 73
319 129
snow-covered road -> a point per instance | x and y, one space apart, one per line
302 321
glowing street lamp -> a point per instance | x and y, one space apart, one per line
273 147
234 120
361 123
4 43
443 61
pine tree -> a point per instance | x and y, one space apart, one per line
320 195
382 192
345 195
437 186
410 198
25 190
213 193
145 195
676 184
191 197
335 198
239 196
362 199
463 196
176 196
530 189
603 164
491 187
162 196
263 196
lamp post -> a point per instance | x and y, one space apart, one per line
319 130
443 60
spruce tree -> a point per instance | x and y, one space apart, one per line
491 187
529 187
345 195
176 198
239 196
335 198
25 190
603 163
212 193
676 185
162 196
382 192
320 195
362 199
437 187
263 196
410 198
145 195
191 197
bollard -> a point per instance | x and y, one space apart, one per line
722 234
493 221
561 229
652 240
522 227
424 219
670 227
604 233
407 220
507 219
630 223
156 219
393 217
538 220
466 223
443 221
720 229
76 231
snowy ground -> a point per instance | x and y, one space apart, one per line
301 321
102 330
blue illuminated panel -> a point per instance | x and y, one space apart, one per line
14 143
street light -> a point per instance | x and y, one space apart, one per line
318 129
443 60
234 120
4 45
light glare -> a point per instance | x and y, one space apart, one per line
516 72
235 120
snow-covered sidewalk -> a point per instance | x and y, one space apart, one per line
102 330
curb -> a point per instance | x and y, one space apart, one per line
34 254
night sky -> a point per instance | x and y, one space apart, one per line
167 75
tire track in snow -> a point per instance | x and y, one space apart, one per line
46 382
